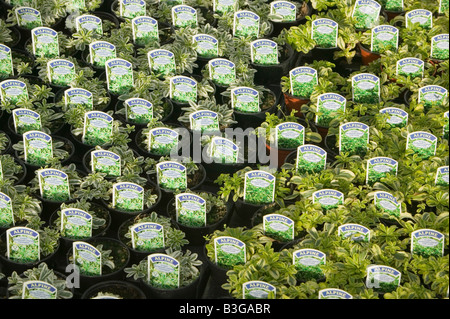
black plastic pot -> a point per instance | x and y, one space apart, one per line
9 266
120 216
121 258
122 289
195 235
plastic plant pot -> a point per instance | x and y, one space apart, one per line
111 288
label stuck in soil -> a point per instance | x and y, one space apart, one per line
163 141
259 188
106 162
382 278
385 202
366 13
328 198
307 262
139 111
366 88
100 52
87 258
353 138
246 24
119 75
303 79
76 223
422 143
6 211
28 18
287 11
75 97
355 232
45 42
264 52
329 105
379 167
411 67
278 227
36 289
38 147
258 290
184 16
60 72
145 30
223 151
163 271
332 293
183 89
222 71
190 210
289 135
427 243
245 99
13 91
171 175
384 38
442 176
22 245
161 62
6 63
421 16
440 47
89 23
98 127
325 33
229 251
26 120
311 159
54 184
206 45
147 236
128 197
132 8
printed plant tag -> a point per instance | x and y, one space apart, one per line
258 290
278 227
422 143
229 251
6 63
392 5
184 16
289 135
325 33
139 111
26 120
259 188
411 67
246 24
311 159
446 126
287 11
387 203
87 258
147 237
60 72
161 62
382 278
224 6
171 176
6 211
119 75
303 79
163 271
440 47
89 22
328 198
421 16
222 71
432 95
97 129
145 30
100 52
75 97
54 185
355 232
132 8
264 52
307 262
128 197
366 13
443 6
384 38
106 162
45 42
205 121
163 141
366 88
329 105
223 151
36 289
379 167
191 210
442 176
396 117
427 243
183 89
333 293
76 223
22 245
13 91
28 18
207 46
38 147
245 99
353 138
